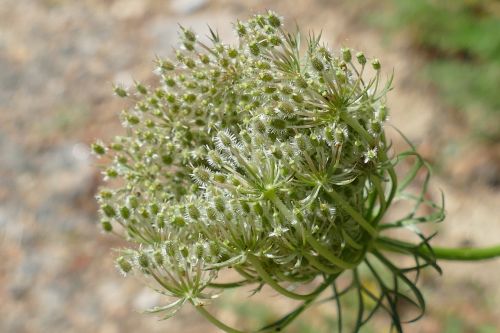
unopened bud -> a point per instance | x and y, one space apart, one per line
124 265
158 257
108 211
143 260
106 226
120 91
346 54
273 20
98 148
361 58
317 64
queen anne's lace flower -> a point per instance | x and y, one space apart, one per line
255 157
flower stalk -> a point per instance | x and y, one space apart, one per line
441 253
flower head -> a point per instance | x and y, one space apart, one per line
255 157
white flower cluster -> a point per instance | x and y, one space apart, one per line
267 157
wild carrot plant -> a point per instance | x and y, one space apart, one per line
268 158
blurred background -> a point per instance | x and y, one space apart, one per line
58 60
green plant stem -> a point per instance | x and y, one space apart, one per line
442 253
228 285
467 253
216 321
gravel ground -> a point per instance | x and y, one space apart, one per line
58 60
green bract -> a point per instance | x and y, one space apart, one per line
267 158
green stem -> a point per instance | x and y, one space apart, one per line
467 253
443 253
228 285
215 321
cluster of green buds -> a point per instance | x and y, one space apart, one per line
268 158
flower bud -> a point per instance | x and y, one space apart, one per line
254 49
232 53
317 64
277 124
376 127
361 58
382 113
276 152
211 213
143 260
133 202
273 20
245 136
215 249
303 142
225 140
286 108
190 63
170 248
154 209
346 54
301 83
341 76
124 265
376 64
106 226
220 178
160 221
201 175
120 91
166 65
245 206
158 257
105 195
199 250
132 119
108 211
205 59
266 77
258 209
193 211
214 159
189 34
98 148
124 212
298 98
184 252
141 89
241 29
179 221
259 126
167 159
220 204
275 40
